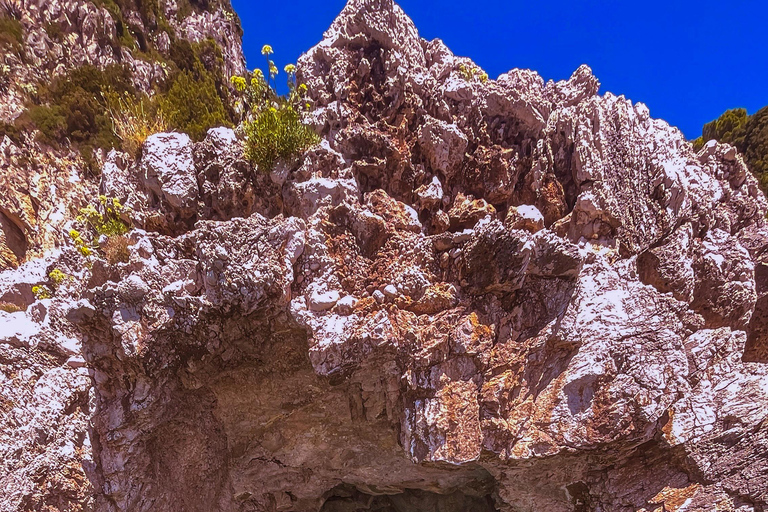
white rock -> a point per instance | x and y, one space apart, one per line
76 362
462 236
431 194
169 170
526 217
390 291
323 301
16 329
346 305
222 136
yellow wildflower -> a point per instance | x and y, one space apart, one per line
290 69
303 87
84 250
74 234
239 83
266 50
57 276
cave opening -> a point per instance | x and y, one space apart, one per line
347 498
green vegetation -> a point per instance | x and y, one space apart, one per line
54 31
106 220
749 134
275 131
11 34
94 108
110 222
72 108
89 107
196 98
193 106
186 7
11 131
729 128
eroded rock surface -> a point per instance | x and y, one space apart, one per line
508 295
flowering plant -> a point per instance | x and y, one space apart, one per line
274 127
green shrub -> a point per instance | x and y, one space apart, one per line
192 104
11 34
729 127
104 220
54 31
195 97
150 12
183 55
72 107
183 9
277 134
749 134
12 131
124 37
275 131
51 121
186 7
755 145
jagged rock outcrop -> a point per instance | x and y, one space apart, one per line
507 295
44 185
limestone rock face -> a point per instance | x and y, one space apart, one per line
43 186
503 295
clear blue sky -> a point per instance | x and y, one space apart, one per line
687 60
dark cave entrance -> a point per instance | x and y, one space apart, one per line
347 498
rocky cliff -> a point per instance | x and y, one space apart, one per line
473 294
51 159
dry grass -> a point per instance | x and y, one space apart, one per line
9 307
116 250
133 120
